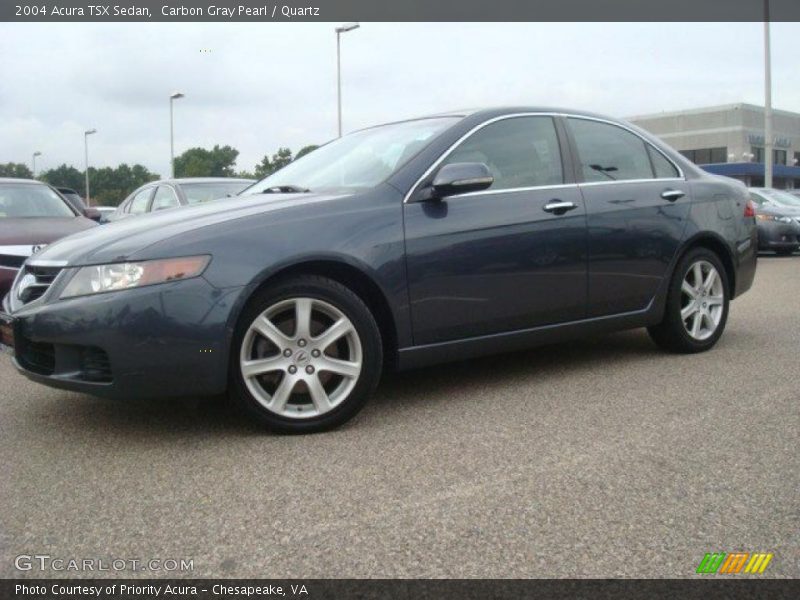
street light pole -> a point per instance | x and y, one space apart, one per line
339 31
768 132
174 96
35 154
86 135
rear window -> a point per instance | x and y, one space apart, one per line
22 201
197 193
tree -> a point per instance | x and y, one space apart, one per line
305 150
15 170
65 176
110 186
268 165
199 162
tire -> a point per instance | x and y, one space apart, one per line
683 336
312 379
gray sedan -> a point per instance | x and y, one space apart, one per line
172 193
778 220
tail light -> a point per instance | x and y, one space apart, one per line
749 209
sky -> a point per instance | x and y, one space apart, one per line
260 86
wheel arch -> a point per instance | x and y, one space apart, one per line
718 246
353 276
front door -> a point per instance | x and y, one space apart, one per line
505 258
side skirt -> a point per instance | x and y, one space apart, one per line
420 356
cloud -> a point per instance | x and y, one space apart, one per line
258 86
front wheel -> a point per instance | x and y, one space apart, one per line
307 355
697 304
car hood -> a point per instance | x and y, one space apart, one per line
40 230
120 240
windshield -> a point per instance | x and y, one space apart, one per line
29 200
359 160
197 193
782 198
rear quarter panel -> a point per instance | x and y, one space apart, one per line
718 206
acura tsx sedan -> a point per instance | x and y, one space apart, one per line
401 245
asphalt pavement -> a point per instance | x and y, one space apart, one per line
596 458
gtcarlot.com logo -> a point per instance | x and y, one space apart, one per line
45 562
732 563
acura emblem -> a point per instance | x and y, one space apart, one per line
37 248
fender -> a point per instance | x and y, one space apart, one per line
293 262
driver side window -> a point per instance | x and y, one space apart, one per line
520 152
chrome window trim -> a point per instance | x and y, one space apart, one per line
648 180
454 145
559 186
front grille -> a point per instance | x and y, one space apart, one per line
34 282
95 365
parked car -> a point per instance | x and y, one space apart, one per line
778 220
74 198
32 215
172 193
401 245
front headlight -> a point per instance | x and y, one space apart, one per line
98 279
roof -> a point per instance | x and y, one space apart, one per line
499 110
20 180
496 111
205 180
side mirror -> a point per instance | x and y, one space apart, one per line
92 213
460 178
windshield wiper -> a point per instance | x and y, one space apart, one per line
285 189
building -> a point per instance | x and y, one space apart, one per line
729 140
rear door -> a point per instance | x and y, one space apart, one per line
499 260
637 204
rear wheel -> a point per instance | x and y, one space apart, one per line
697 304
307 355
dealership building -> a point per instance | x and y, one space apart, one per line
729 140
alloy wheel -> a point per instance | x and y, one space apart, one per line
301 358
702 300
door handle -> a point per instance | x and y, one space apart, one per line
558 207
672 195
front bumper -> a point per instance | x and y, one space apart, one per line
163 340
775 235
